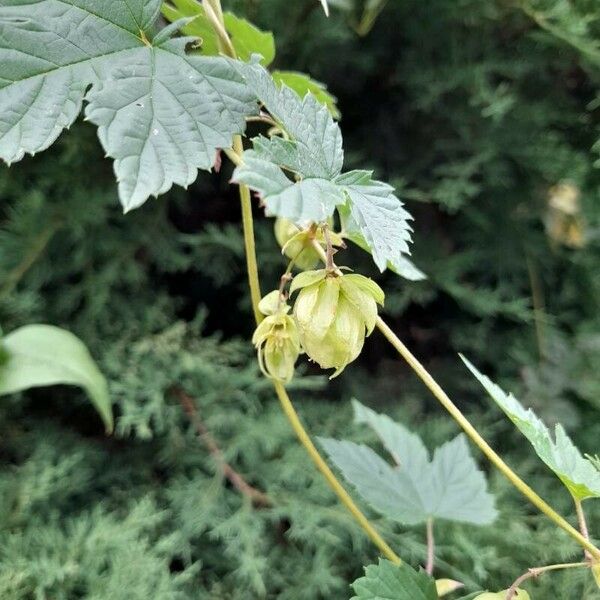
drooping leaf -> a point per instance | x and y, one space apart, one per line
402 265
387 581
577 473
450 486
303 84
162 114
246 38
43 355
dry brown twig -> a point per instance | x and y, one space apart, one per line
258 498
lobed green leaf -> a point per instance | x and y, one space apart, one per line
162 114
387 581
577 473
450 486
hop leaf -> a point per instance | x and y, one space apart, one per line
311 153
577 473
394 582
161 114
374 215
450 486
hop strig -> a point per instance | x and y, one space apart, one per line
334 314
277 339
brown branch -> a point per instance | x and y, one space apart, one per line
258 498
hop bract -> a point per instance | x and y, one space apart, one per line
335 313
277 339
295 244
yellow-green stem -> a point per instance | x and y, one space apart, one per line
248 225
582 523
235 155
537 571
286 403
477 439
457 415
336 486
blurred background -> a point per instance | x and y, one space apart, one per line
486 118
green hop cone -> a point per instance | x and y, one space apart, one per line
277 339
334 314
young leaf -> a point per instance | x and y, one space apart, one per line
246 38
377 216
313 153
302 84
162 114
447 586
387 581
450 486
316 135
577 473
199 28
311 199
312 150
42 355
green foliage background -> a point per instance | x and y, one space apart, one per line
473 110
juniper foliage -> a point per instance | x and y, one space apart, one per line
476 112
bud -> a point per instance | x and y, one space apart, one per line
276 339
296 243
334 313
447 586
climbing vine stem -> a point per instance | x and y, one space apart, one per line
286 403
435 388
235 155
490 453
